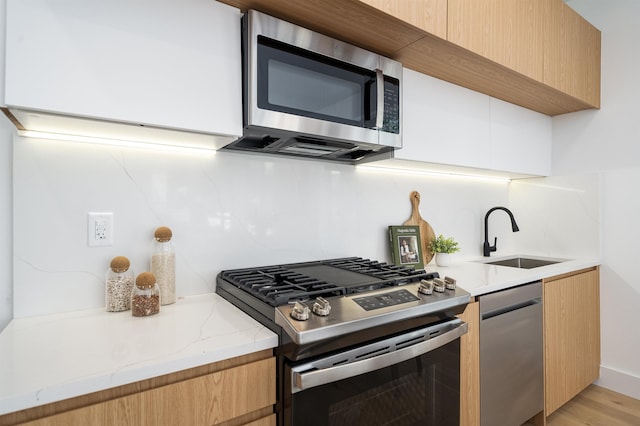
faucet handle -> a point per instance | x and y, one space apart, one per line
488 248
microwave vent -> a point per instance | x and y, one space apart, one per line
255 142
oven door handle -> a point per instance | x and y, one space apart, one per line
310 379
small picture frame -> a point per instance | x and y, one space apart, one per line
405 246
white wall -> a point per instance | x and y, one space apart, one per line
607 143
6 225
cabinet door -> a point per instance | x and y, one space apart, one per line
428 15
572 53
160 63
455 126
444 123
207 400
470 367
572 335
505 31
265 421
520 139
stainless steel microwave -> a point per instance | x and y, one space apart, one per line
309 95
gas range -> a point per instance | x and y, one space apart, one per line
311 302
353 332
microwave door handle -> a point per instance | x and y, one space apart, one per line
310 379
380 99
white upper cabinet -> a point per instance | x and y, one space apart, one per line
520 139
165 63
445 124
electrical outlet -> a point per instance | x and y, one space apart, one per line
100 229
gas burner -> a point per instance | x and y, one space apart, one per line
286 284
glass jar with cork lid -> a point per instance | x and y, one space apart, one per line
145 298
118 285
163 264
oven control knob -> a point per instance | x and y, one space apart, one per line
449 283
300 312
426 287
438 285
321 307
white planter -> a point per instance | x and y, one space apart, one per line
444 259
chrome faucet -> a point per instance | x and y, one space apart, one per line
487 248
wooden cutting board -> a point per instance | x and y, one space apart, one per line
426 231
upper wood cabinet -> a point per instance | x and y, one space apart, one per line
501 48
507 32
572 53
544 40
428 15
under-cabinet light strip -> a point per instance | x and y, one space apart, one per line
115 142
453 175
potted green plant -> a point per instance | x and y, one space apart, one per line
443 248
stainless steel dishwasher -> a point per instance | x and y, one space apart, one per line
511 354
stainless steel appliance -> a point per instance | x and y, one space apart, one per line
309 95
511 355
361 342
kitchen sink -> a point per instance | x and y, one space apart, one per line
523 262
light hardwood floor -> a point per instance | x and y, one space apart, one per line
597 406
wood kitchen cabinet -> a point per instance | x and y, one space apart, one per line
544 40
428 15
470 367
507 32
571 305
166 64
572 53
238 391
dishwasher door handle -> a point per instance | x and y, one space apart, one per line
506 309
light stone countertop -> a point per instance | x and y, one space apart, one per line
479 278
50 358
54 357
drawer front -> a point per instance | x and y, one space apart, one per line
265 421
206 400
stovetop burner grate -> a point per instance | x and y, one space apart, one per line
279 285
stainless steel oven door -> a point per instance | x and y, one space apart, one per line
408 379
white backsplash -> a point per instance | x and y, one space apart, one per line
6 241
228 210
558 215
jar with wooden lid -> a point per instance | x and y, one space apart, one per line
163 264
118 285
145 297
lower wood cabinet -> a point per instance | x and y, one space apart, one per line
470 367
240 391
571 304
